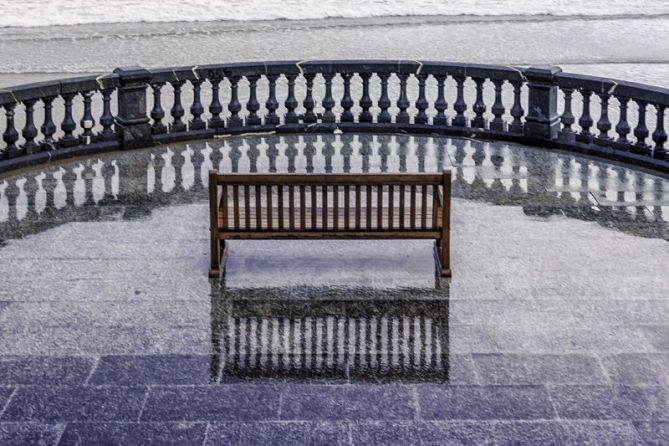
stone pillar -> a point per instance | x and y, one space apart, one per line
543 120
132 123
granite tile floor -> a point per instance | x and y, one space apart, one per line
553 330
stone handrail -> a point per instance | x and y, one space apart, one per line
535 106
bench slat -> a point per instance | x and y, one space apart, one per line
303 198
347 207
368 205
291 207
235 199
423 204
402 192
379 207
413 207
268 191
358 207
247 207
258 206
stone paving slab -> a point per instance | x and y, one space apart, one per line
484 402
357 402
75 403
30 434
640 403
134 434
653 433
517 433
227 402
286 433
528 369
153 370
45 370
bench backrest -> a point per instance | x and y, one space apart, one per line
330 202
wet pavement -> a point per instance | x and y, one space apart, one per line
553 330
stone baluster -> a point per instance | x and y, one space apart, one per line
623 128
234 106
365 99
29 131
328 100
517 111
68 125
660 135
309 115
604 124
479 107
567 119
641 132
421 101
586 120
346 100
10 135
157 113
460 105
498 123
403 101
48 126
252 105
106 119
440 104
177 110
272 104
87 121
215 107
384 100
291 101
196 108
309 151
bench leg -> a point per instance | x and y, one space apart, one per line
214 271
445 254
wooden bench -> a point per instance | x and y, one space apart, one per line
355 206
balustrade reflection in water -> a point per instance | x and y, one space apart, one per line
128 185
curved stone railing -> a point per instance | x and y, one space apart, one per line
533 105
